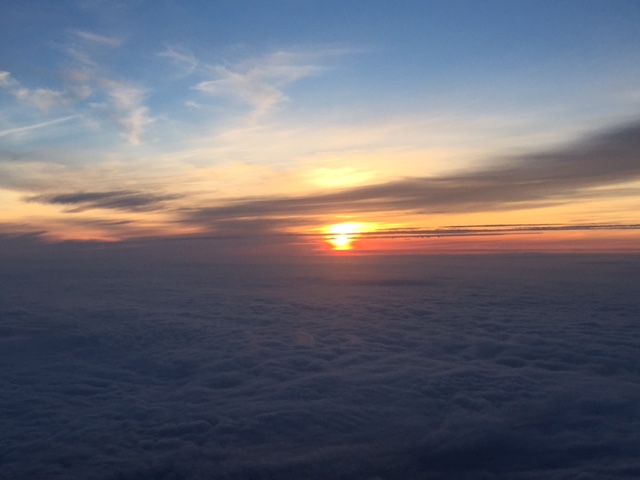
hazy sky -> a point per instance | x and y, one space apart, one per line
478 123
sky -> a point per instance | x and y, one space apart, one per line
321 126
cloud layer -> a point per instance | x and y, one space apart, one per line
456 368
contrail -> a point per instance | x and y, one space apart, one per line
11 131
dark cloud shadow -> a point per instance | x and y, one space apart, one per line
117 200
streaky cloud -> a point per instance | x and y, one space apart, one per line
36 126
182 58
117 200
483 230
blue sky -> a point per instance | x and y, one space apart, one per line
169 109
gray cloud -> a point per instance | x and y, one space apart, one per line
553 177
118 200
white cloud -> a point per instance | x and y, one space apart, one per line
259 83
134 123
44 99
6 81
126 105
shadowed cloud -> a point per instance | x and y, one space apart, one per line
118 200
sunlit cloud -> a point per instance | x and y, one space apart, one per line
560 176
125 105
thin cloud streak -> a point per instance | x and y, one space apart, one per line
483 230
115 200
36 126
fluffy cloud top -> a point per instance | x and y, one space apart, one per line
496 368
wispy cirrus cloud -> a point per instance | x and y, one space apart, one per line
182 58
89 89
99 40
82 46
120 101
258 83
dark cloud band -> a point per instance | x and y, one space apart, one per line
118 200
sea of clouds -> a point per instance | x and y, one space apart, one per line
496 367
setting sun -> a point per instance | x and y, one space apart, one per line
342 235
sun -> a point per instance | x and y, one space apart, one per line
342 235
